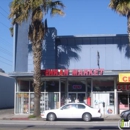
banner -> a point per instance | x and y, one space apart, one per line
124 77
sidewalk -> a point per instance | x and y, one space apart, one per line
8 114
111 117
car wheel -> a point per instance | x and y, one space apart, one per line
51 117
128 117
86 117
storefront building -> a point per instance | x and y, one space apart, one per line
73 68
123 89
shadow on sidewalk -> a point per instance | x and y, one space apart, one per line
94 119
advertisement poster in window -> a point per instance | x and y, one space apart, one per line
110 110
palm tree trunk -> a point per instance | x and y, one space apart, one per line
128 26
37 54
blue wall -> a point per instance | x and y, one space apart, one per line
73 52
21 48
6 91
82 52
49 53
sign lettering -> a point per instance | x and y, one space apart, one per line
75 72
123 87
76 86
124 77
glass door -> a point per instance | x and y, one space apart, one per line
81 97
72 97
123 101
76 97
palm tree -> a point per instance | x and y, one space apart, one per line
22 10
123 8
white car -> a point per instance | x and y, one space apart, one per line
72 111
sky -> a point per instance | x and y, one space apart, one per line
82 17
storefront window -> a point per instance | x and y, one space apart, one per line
23 86
89 85
31 102
22 103
63 92
31 86
103 85
77 86
52 86
123 101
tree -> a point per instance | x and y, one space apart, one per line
123 8
22 10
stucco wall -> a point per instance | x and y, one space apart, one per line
111 52
6 91
73 52
21 48
49 52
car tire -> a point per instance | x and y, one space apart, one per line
128 117
51 117
87 117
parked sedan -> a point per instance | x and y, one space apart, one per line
72 110
125 115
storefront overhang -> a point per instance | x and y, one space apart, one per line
106 73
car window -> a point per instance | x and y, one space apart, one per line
80 106
68 106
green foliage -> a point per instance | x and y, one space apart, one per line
120 6
31 116
20 11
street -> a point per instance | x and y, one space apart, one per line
58 125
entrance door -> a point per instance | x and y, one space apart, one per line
76 95
81 97
123 101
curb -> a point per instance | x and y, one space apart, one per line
32 119
40 119
15 118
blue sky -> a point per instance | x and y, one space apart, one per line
82 17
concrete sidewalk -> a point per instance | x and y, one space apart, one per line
8 114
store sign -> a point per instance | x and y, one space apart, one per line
77 87
124 77
75 72
123 87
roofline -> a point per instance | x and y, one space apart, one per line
91 35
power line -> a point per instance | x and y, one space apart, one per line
5 63
3 15
6 53
5 59
3 10
4 25
5 50
5 41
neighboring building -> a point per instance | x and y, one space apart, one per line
6 91
2 71
83 67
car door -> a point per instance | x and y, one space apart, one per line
65 111
78 112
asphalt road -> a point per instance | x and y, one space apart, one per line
58 125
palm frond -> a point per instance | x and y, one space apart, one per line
57 4
11 31
55 11
120 6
